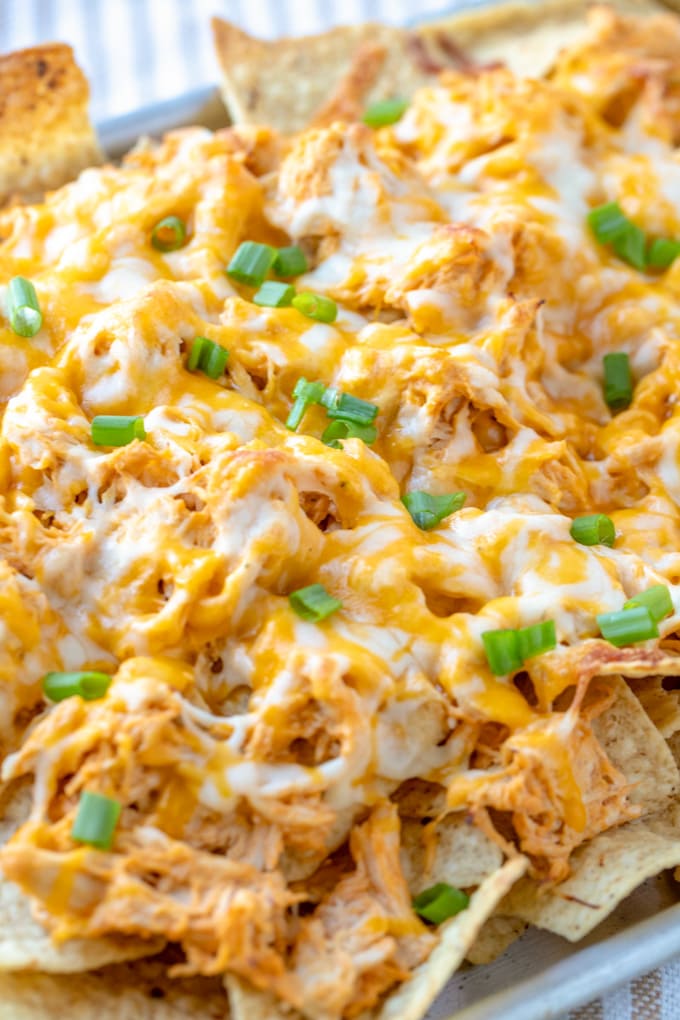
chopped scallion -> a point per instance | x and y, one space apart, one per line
273 294
290 261
315 306
610 225
536 639
384 112
169 234
440 902
502 651
313 603
341 429
23 308
89 684
306 394
593 529
618 382
344 405
429 510
251 263
117 429
657 599
628 626
662 252
96 820
208 357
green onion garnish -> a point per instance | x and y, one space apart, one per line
440 902
341 429
313 603
608 222
344 405
628 626
384 112
306 394
169 234
117 429
23 308
251 262
428 511
502 651
315 306
536 639
593 529
611 226
208 357
96 820
662 251
618 382
657 599
89 684
273 294
290 261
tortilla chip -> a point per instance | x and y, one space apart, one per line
286 83
661 705
605 871
46 137
123 992
24 943
495 936
463 855
411 1000
524 36
637 749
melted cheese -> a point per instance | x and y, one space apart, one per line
474 309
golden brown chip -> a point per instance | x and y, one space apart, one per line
46 137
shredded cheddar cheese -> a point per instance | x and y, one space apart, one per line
258 755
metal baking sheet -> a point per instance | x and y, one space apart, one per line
541 976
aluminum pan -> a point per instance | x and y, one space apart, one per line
541 976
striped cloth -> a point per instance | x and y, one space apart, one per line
137 52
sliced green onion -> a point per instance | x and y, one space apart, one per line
197 347
251 262
89 684
169 234
593 529
273 294
502 651
611 226
618 382
96 820
628 626
208 357
23 308
214 360
344 405
341 429
313 603
662 251
536 639
608 222
440 902
631 247
428 511
290 261
315 306
657 599
384 112
306 394
117 429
